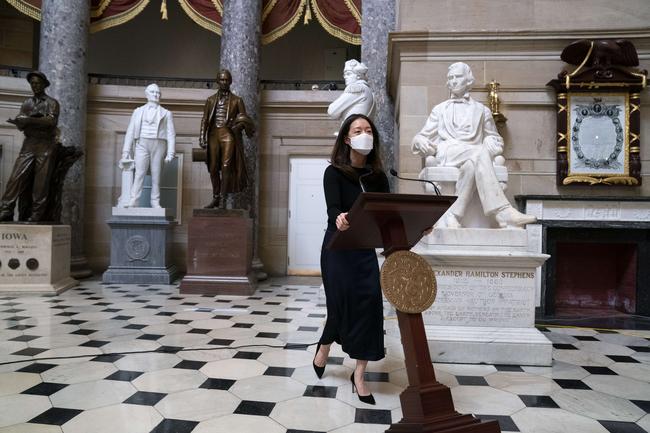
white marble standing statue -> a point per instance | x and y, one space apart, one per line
460 132
149 139
357 97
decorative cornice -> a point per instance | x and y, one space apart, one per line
490 45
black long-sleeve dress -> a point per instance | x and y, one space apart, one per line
351 277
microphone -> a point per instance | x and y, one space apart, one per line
435 187
363 188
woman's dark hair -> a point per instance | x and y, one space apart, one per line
340 157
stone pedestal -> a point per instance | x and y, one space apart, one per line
485 307
219 253
35 259
141 247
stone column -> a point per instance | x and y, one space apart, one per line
240 54
377 19
62 58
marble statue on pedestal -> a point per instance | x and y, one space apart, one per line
150 139
357 97
36 181
460 132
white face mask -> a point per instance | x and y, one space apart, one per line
362 143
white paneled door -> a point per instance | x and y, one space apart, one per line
307 215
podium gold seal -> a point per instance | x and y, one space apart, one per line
408 282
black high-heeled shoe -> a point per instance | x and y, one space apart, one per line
318 370
368 399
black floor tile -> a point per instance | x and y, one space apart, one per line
169 349
84 332
282 320
621 427
505 422
247 355
248 407
317 316
45 388
37 368
20 327
94 343
198 331
643 349
24 338
75 322
111 310
564 346
221 342
598 370
243 325
223 384
124 375
55 416
621 358
222 317
372 376
30 351
308 328
372 416
267 335
107 358
472 380
174 426
643 404
571 384
122 317
180 322
320 391
134 326
538 401
503 367
279 371
335 360
259 313
150 337
190 365
145 398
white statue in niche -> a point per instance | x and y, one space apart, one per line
357 97
460 132
150 139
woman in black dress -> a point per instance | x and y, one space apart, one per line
351 277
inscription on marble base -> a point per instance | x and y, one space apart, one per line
483 297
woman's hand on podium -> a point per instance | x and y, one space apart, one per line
342 222
427 231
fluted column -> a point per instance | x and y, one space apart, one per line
240 54
377 19
62 57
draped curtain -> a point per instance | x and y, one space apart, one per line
340 18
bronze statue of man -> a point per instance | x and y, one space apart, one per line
37 160
224 118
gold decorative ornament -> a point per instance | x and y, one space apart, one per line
408 282
493 102
615 180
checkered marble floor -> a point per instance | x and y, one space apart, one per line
599 381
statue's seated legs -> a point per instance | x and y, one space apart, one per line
481 202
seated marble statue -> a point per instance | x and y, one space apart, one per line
357 97
460 132
150 139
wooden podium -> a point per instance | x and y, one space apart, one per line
396 222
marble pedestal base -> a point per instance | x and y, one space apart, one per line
141 247
219 253
35 259
485 306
